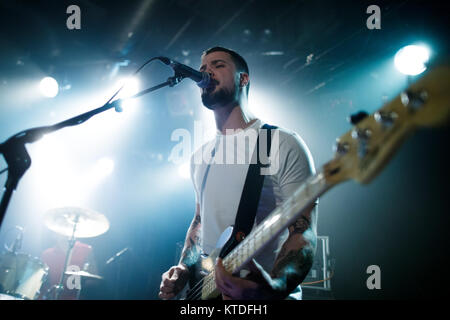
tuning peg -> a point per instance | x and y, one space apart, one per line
413 100
385 118
357 117
340 147
362 136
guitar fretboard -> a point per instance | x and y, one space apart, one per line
272 226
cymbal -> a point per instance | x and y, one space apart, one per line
89 223
83 274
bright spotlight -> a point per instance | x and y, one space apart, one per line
104 167
131 87
411 60
184 171
49 87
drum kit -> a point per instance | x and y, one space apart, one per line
22 276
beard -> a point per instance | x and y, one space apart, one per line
222 97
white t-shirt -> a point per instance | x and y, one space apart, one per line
290 165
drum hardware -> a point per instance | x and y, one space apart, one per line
17 244
8 297
86 223
76 223
21 275
83 273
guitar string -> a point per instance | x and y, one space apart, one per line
233 258
208 279
289 203
196 290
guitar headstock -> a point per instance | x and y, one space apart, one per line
363 151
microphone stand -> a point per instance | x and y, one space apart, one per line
119 285
71 243
17 157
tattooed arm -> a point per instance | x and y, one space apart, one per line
191 250
175 279
296 255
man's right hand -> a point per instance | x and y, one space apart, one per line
173 281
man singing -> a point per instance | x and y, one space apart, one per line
276 272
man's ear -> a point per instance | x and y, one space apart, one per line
243 79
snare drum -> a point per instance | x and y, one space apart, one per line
21 275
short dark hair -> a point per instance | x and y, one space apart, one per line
238 60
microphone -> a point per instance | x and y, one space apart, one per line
202 78
117 255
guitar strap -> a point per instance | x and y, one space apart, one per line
248 205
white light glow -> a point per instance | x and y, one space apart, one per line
54 173
411 60
58 175
96 174
184 171
131 87
104 167
49 87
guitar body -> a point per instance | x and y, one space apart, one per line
205 266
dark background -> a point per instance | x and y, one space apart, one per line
398 222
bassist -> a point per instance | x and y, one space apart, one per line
277 271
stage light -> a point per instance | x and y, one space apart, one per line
411 60
184 171
49 87
104 167
131 87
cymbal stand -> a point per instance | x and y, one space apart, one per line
60 287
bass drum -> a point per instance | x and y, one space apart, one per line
21 275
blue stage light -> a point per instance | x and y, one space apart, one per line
49 87
411 60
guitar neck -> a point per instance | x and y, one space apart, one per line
272 226
360 155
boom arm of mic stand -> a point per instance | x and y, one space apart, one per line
17 157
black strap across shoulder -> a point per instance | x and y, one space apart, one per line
251 194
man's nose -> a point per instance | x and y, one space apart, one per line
209 71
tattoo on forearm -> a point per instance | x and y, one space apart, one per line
196 221
191 250
300 225
293 262
296 255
